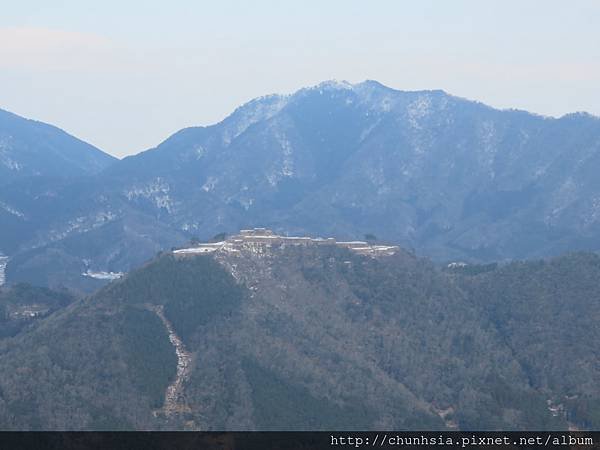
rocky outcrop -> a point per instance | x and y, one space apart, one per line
174 395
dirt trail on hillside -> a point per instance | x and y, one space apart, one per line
174 395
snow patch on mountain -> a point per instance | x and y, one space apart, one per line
367 131
157 191
260 109
592 215
5 150
287 169
417 110
102 275
337 85
3 263
81 224
376 175
273 179
187 226
199 151
10 164
488 138
246 203
12 210
566 194
209 184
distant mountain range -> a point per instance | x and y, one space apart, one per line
451 178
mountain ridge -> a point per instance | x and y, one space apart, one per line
30 148
451 178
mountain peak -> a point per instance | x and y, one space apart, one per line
29 148
334 85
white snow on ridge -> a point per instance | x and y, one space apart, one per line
341 85
157 191
261 108
81 224
102 275
11 210
202 248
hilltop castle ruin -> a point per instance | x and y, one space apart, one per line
263 238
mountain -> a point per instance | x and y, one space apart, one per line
36 161
30 148
65 229
52 210
451 178
266 333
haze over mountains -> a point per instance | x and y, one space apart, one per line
451 178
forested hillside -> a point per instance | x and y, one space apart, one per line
22 305
547 313
315 338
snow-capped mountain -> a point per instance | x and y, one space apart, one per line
449 177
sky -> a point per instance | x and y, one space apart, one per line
124 75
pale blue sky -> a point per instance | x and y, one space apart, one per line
123 75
